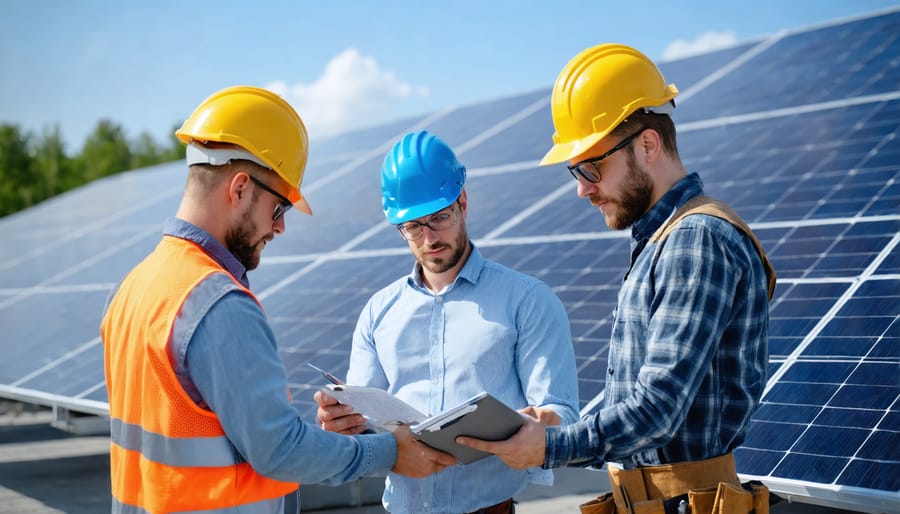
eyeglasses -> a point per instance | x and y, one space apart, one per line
589 169
285 204
412 230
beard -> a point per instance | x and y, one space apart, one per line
239 241
458 249
636 193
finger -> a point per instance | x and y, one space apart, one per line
353 430
550 417
353 423
478 444
333 412
323 399
445 460
437 457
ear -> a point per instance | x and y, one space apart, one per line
649 146
463 201
237 188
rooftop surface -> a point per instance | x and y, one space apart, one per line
44 470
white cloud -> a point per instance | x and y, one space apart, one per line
706 42
352 92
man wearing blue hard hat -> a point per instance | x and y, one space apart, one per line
457 325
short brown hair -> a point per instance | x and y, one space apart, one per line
662 124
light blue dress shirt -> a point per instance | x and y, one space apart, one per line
225 356
493 329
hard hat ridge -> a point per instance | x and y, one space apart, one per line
420 175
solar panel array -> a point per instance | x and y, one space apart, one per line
799 132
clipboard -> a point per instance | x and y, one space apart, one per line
482 417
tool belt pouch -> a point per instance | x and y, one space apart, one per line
730 498
603 504
630 494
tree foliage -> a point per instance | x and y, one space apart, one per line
16 164
36 167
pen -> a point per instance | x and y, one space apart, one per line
331 378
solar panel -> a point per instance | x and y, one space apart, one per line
799 132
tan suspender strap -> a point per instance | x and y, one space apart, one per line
712 207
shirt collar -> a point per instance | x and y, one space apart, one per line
181 229
683 190
470 271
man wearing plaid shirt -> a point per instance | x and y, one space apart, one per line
688 350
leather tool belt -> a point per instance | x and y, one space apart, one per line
708 486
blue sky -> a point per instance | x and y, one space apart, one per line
342 64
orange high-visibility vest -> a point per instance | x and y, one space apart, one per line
167 454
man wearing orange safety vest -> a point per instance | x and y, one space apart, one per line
199 412
688 348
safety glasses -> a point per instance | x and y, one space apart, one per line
589 169
412 230
285 204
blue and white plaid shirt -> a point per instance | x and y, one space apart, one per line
688 350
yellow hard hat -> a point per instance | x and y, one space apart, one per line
596 91
260 122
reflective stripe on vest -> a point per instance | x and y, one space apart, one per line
263 507
181 452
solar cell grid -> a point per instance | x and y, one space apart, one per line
328 152
687 72
836 63
464 123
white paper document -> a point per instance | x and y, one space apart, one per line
381 407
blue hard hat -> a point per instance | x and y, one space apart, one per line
420 176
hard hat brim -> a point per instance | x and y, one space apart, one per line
397 216
299 202
562 152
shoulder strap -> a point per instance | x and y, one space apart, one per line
712 207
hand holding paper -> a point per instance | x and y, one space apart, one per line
336 417
381 407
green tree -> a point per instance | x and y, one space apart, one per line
32 170
16 177
145 151
175 149
52 165
105 152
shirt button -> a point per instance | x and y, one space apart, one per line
611 371
438 299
